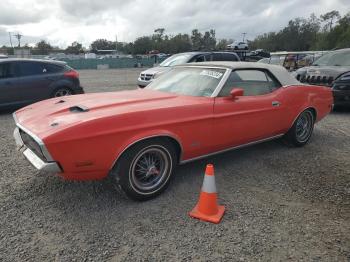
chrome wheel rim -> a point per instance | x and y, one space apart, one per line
304 127
62 92
150 168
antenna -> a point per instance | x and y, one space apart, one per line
18 36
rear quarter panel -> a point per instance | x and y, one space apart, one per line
301 97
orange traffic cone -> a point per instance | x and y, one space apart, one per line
207 208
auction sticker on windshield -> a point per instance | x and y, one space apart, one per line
211 73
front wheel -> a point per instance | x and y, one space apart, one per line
299 134
145 169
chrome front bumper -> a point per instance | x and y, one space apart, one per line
51 167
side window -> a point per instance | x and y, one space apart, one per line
217 57
253 82
229 57
51 69
208 57
200 58
6 70
29 68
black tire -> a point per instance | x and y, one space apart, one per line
300 133
140 177
235 48
62 91
246 48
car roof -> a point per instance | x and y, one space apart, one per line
61 63
282 75
206 52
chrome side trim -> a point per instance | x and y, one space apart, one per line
232 148
145 138
36 138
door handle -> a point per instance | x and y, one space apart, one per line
276 103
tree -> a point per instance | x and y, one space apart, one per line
209 40
222 44
102 44
43 47
329 19
75 48
196 39
177 44
143 45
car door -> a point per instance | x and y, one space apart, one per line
257 115
33 82
9 92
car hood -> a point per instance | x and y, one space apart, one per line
53 115
328 71
156 70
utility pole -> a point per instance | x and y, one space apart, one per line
10 40
243 36
116 44
19 36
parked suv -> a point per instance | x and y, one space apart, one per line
148 75
25 81
333 70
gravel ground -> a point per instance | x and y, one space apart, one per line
282 204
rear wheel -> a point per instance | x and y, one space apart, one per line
62 91
145 169
302 129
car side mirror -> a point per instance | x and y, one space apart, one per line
236 92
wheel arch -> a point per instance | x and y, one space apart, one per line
312 109
172 139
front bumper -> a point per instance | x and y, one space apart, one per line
341 97
143 83
37 162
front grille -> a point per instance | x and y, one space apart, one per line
316 80
146 77
32 144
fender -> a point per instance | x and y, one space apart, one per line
144 136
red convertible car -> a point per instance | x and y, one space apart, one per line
137 137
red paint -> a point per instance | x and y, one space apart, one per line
201 124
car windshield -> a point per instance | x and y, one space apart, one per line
191 81
337 58
176 60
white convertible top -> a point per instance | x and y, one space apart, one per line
282 75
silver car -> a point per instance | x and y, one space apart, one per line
148 75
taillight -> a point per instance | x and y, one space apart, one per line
72 73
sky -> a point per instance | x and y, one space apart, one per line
61 22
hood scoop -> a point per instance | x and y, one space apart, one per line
78 109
